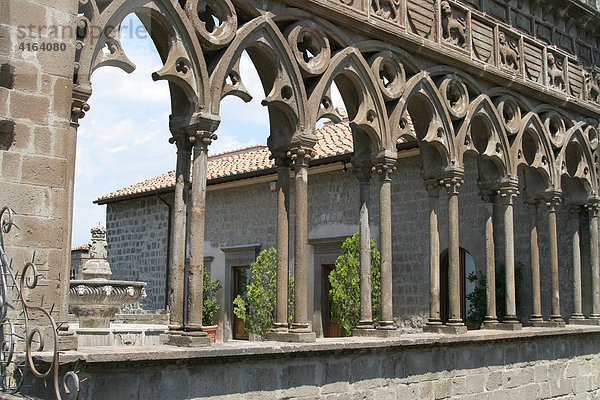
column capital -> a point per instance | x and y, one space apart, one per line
202 139
552 201
79 105
452 184
432 186
532 205
507 194
281 160
362 172
593 208
300 155
575 209
487 195
384 166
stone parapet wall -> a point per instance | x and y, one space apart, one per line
492 365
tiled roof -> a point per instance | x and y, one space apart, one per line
83 247
332 140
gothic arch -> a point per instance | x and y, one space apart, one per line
532 148
279 74
432 124
173 36
482 132
364 103
577 172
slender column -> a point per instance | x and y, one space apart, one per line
384 169
534 257
593 209
200 141
488 197
433 191
555 315
575 241
366 313
452 186
283 192
300 157
507 194
178 238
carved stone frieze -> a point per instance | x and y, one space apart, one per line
453 26
508 49
386 9
555 76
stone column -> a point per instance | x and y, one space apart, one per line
491 319
534 257
363 174
300 155
178 238
555 316
433 191
574 212
507 195
452 186
283 206
593 209
384 168
201 140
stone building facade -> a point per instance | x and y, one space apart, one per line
512 87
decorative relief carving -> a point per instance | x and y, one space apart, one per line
483 40
510 112
576 79
310 46
387 9
453 29
509 52
421 17
455 94
555 73
390 71
593 85
555 126
533 61
215 21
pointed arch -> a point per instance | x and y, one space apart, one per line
576 163
532 148
430 124
363 101
173 36
278 72
493 144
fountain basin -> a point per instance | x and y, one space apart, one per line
96 301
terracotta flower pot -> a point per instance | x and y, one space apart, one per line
211 330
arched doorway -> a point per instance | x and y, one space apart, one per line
467 266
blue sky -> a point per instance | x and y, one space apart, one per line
123 139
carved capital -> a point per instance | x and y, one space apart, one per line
487 195
362 173
575 210
281 160
507 194
593 209
433 187
532 205
452 184
384 168
552 201
79 105
182 142
300 155
202 139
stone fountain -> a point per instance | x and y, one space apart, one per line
95 299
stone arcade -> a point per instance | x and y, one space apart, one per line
511 85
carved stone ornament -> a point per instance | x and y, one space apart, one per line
453 29
510 112
593 85
387 9
390 71
556 128
509 52
310 46
556 79
204 15
456 96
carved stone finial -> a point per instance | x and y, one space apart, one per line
97 267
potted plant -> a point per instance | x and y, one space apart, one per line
257 309
210 305
345 285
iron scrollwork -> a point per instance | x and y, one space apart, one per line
14 362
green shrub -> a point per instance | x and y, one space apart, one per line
478 301
210 305
257 309
345 285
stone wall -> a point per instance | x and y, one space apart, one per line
37 143
137 245
496 366
246 215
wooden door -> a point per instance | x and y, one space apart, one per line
331 328
241 279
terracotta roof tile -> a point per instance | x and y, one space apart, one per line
332 140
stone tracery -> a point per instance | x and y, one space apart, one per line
298 58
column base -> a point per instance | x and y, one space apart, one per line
585 321
502 326
186 339
66 338
548 324
445 329
291 336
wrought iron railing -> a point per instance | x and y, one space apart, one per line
16 352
